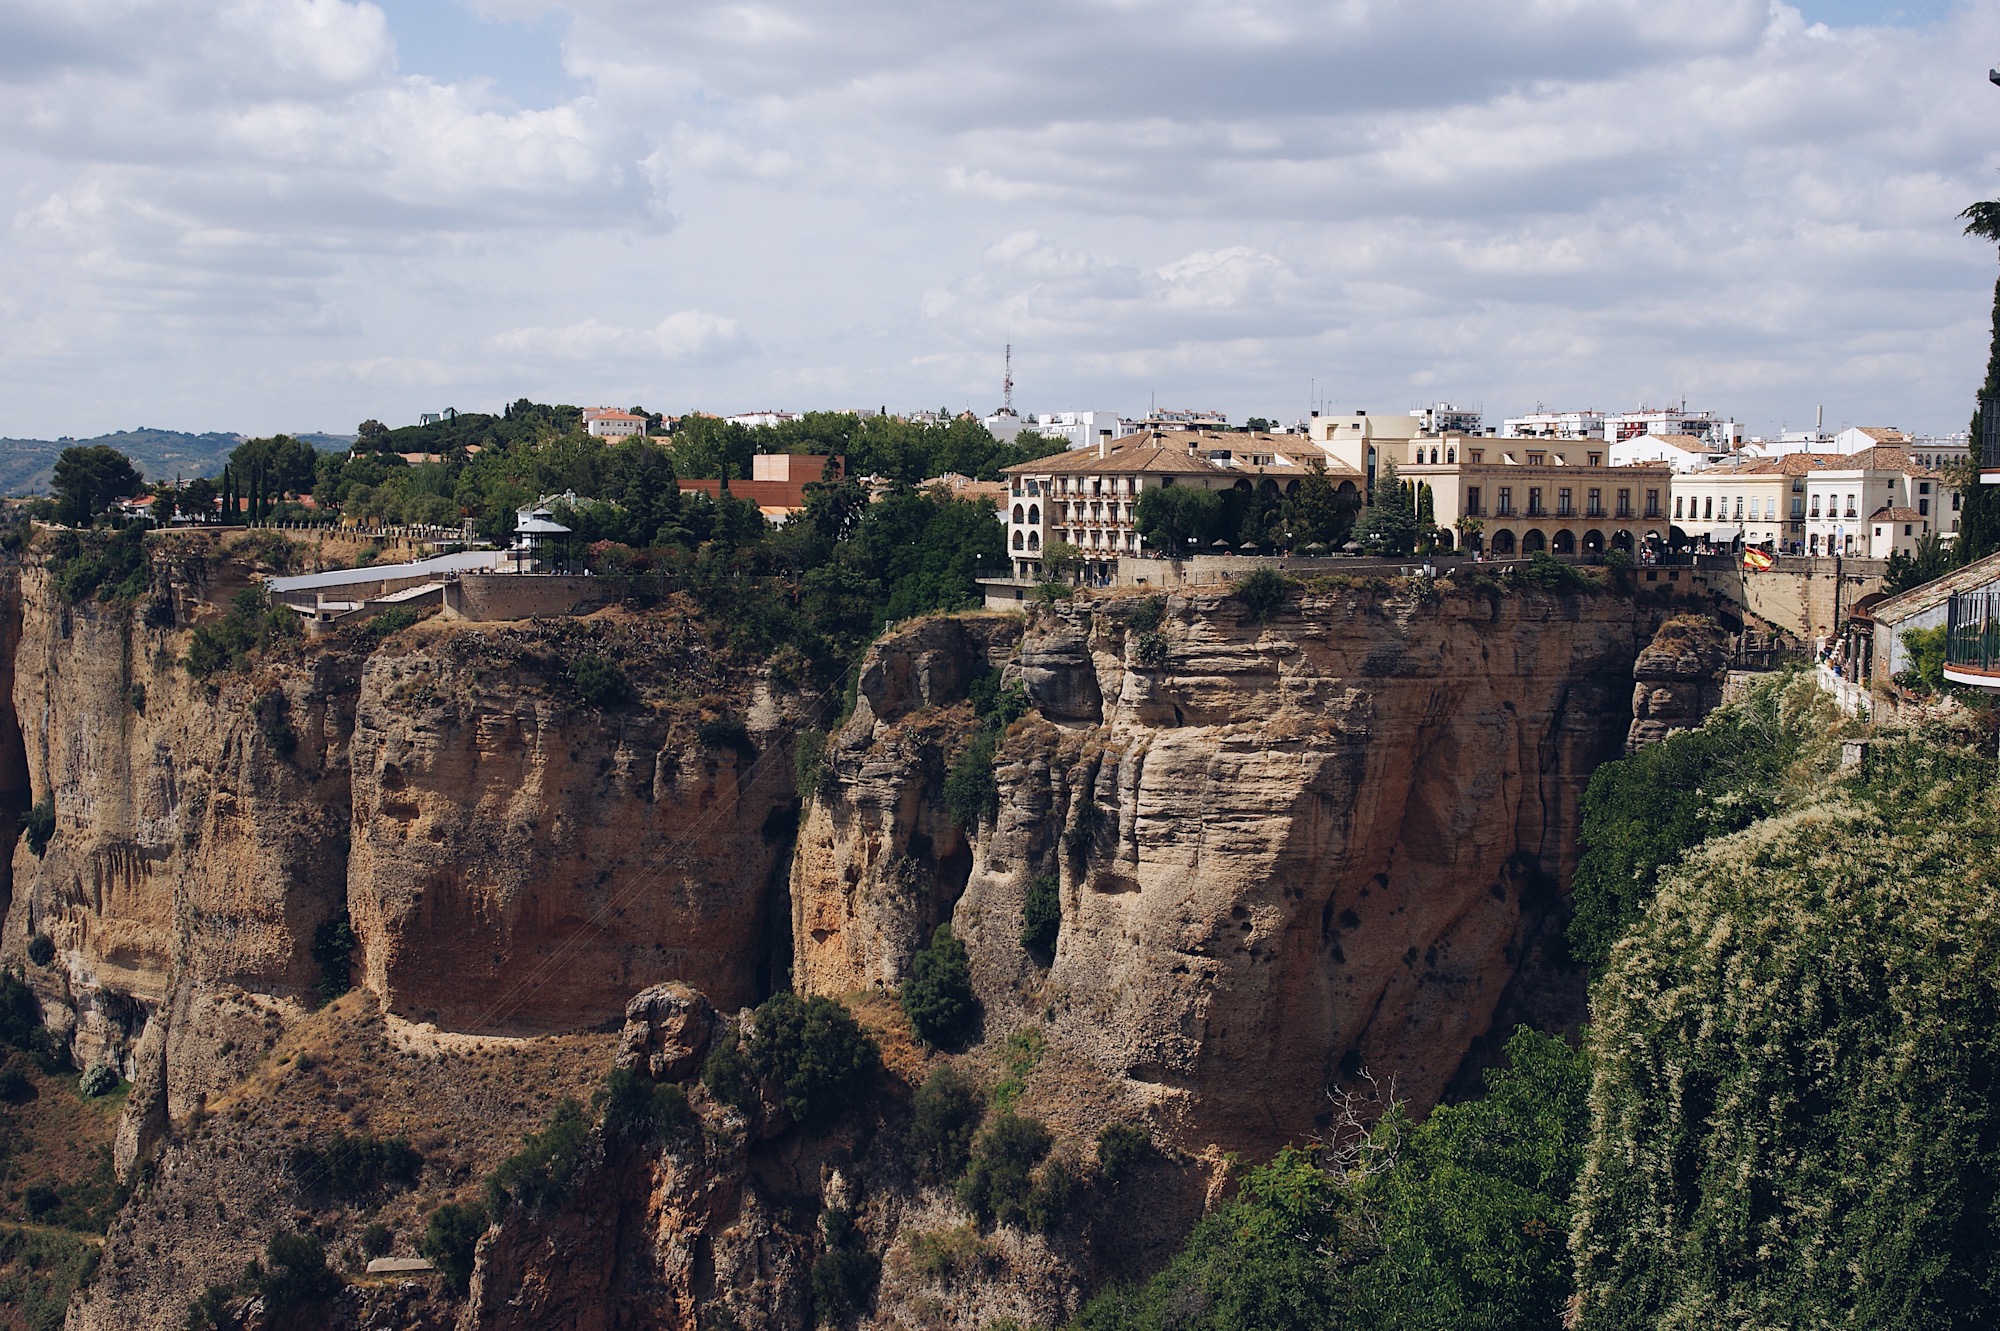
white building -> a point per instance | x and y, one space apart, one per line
760 420
1005 424
1539 424
1849 495
1081 429
1682 452
611 423
1720 434
1444 418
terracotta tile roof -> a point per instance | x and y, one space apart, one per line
1898 515
1883 436
1979 575
1167 454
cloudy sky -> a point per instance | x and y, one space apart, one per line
292 214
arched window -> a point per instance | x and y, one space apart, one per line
1451 455
1035 515
1034 540
1017 513
1018 544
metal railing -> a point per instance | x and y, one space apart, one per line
1972 632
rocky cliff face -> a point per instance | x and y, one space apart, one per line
1287 851
525 860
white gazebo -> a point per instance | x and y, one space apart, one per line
540 542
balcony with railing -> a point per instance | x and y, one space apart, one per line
1972 640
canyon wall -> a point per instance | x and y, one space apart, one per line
1287 851
1288 848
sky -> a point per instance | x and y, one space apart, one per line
264 215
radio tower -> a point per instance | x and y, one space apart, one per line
1007 384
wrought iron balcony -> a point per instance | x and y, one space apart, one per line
1972 640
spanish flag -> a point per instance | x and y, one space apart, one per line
1757 560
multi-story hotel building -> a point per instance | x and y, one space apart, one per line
1528 493
1089 497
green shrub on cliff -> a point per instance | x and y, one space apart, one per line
333 952
540 1173
38 824
999 1182
945 1112
250 626
295 1273
1041 917
810 1051
937 996
600 683
1461 1221
1796 1118
104 566
1642 813
451 1235
639 1109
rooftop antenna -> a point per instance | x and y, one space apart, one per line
1007 384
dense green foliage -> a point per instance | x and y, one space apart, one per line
999 1182
333 952
937 996
451 1234
38 824
107 566
1121 1148
640 1109
844 1277
1460 1221
1388 525
971 790
88 479
295 1273
1642 813
39 1271
945 1112
1927 652
251 625
1041 917
345 1165
1262 593
600 683
810 1052
1796 1117
540 1173
1933 559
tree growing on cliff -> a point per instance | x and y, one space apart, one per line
1796 1121
1642 813
937 997
89 479
813 1051
451 1236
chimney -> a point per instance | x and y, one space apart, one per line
1104 443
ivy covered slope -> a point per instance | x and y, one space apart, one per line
1794 1114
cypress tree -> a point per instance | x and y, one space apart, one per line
1979 519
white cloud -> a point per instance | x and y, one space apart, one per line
1587 200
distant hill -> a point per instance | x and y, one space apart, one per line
27 466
